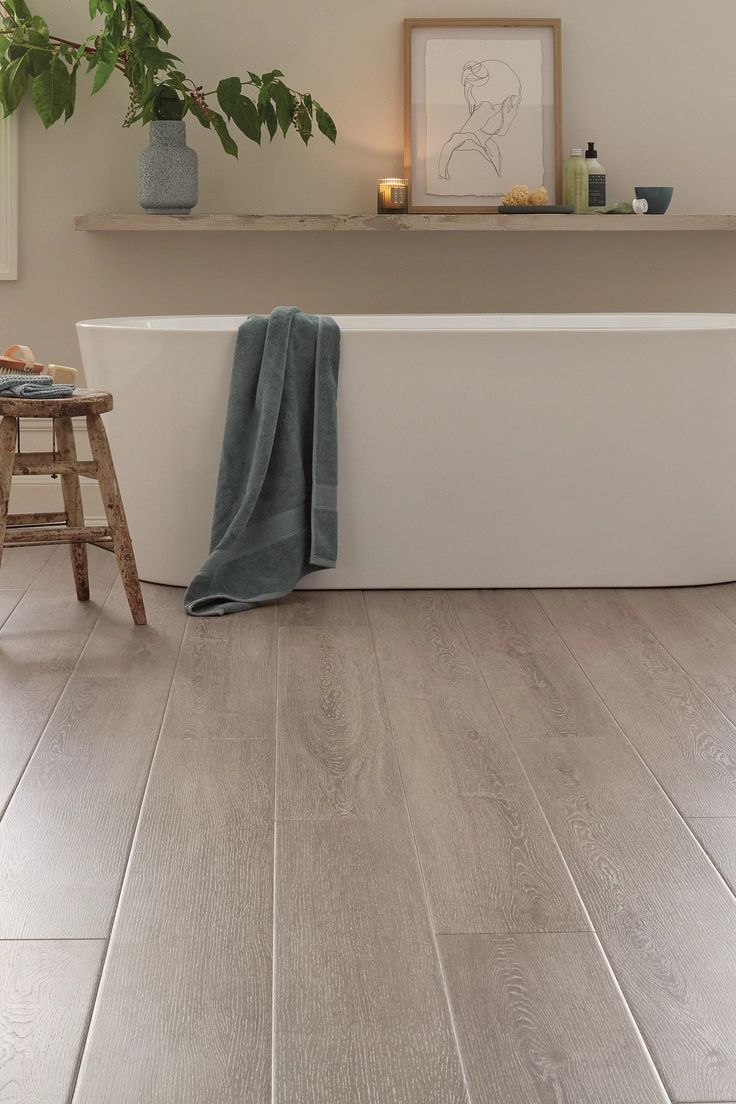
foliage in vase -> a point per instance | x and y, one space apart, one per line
133 40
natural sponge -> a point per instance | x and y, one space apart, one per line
518 196
539 198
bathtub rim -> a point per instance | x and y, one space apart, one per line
612 322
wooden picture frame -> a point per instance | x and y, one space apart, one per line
9 198
536 143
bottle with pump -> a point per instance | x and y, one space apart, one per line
575 183
596 178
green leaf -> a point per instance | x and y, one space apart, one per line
247 119
19 9
156 59
228 93
239 108
103 71
107 59
303 124
325 123
13 84
284 102
51 92
93 5
255 79
4 46
160 29
220 127
269 117
72 99
145 28
39 60
37 26
114 29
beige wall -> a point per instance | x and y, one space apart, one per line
652 82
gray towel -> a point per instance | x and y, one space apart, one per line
276 503
29 385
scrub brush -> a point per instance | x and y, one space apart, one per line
19 360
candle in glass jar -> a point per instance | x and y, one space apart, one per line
393 196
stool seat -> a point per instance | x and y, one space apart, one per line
81 402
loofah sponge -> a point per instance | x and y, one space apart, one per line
539 198
518 196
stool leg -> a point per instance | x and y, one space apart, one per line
72 492
8 440
116 516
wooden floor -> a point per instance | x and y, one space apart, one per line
386 848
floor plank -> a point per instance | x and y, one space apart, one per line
336 756
540 1018
183 1012
538 687
361 1014
225 683
718 837
665 918
723 597
21 566
40 644
46 992
65 837
488 856
9 599
700 637
322 609
685 739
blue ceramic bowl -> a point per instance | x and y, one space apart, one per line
658 199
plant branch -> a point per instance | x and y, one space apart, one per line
134 41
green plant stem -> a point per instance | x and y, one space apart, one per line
249 84
65 42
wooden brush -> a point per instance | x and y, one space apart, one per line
19 360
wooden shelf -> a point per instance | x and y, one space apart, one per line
453 222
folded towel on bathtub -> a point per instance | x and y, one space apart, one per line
275 514
31 386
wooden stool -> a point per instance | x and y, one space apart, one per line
28 528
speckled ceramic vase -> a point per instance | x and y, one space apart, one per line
167 170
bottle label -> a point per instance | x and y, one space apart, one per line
597 190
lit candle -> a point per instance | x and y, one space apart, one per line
393 196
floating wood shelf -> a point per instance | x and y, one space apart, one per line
342 223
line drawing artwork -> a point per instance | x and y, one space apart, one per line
493 93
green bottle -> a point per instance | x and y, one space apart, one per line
575 185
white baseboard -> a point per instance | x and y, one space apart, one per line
42 493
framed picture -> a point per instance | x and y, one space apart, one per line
482 111
8 199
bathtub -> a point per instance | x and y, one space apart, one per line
475 450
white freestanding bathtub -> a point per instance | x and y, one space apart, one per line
475 450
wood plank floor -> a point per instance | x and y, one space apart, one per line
394 848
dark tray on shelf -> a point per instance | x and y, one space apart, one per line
528 209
